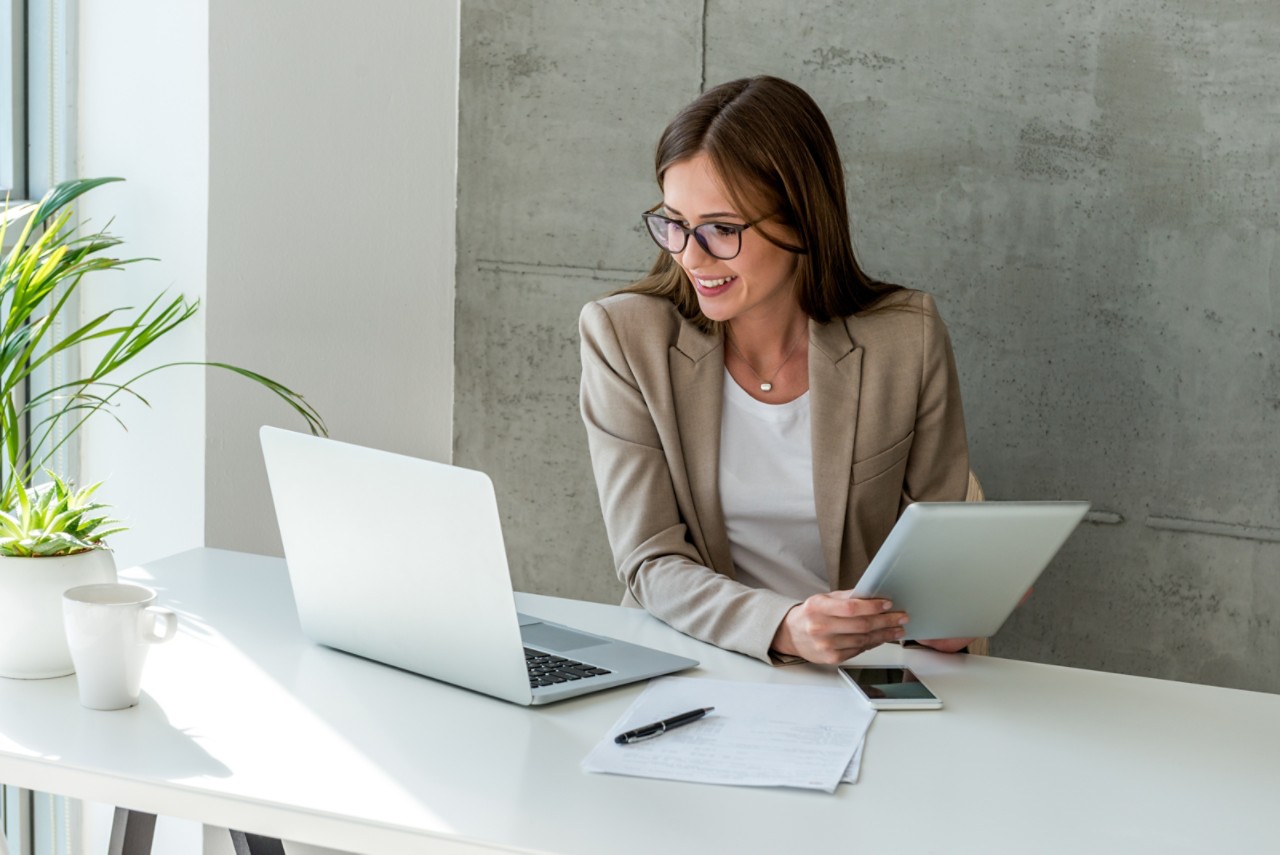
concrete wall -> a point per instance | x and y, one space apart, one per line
1089 190
333 135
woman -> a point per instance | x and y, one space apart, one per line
758 409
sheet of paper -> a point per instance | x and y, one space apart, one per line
854 768
760 734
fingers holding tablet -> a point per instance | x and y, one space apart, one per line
945 645
830 628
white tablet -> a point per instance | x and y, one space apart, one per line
958 569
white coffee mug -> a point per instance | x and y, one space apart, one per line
110 627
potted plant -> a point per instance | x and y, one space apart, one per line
53 535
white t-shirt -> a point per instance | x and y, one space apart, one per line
766 492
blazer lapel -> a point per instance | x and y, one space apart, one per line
697 386
835 378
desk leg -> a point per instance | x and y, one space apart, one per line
255 844
131 832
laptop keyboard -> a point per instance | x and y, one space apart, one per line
547 669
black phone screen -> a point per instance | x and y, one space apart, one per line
889 681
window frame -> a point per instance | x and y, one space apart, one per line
52 36
37 150
13 99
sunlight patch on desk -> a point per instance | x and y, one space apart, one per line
275 725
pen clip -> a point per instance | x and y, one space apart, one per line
657 730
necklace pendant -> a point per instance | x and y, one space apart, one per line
766 387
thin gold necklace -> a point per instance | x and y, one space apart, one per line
765 385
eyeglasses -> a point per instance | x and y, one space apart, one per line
719 240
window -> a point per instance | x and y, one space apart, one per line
37 87
13 99
15 818
37 149
37 135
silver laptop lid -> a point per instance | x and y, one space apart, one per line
398 559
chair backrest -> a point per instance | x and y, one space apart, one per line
974 493
979 646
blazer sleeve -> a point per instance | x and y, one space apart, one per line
938 465
652 550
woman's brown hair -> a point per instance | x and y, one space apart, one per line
770 144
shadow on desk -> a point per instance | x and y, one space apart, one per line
93 739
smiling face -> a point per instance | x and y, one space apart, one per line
759 283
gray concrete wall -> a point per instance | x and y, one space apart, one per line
1089 189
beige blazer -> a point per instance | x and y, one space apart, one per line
887 430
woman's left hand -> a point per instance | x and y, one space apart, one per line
955 645
945 645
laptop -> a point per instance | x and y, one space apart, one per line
959 569
402 561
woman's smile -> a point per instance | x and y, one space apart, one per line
713 287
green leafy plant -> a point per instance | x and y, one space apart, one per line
38 278
53 518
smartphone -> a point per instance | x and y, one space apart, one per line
891 687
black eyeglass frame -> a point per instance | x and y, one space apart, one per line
652 215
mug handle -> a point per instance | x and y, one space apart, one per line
160 615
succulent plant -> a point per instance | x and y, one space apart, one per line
53 518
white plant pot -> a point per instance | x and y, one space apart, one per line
33 643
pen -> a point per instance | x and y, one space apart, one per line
649 731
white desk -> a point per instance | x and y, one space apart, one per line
245 724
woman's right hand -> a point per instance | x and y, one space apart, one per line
830 628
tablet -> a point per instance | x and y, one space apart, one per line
960 568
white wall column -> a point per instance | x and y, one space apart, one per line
333 149
144 116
